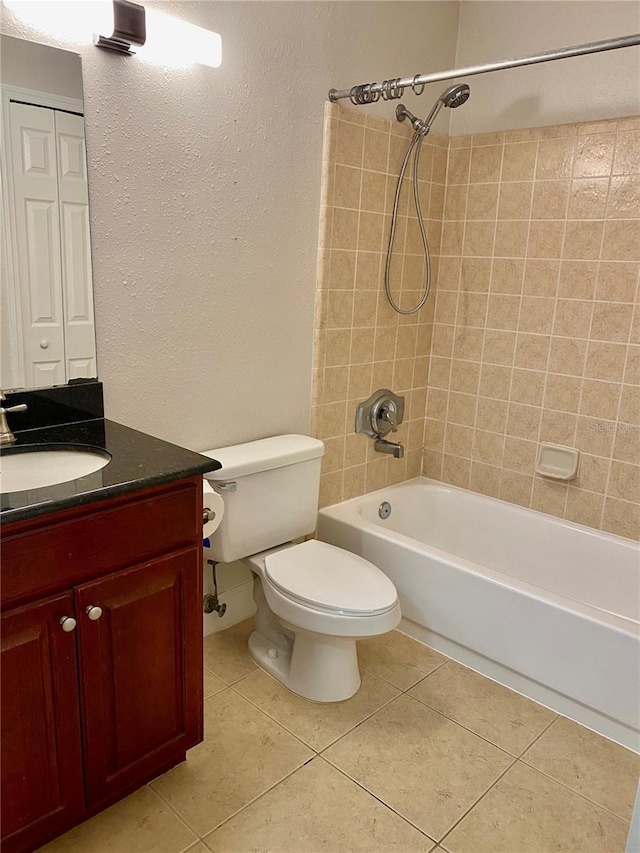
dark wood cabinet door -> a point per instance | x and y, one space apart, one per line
141 670
42 782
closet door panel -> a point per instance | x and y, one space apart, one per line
37 229
75 246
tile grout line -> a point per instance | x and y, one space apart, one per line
543 732
475 460
255 799
339 737
467 729
572 790
457 292
518 323
623 383
363 787
520 760
480 798
177 814
579 413
269 717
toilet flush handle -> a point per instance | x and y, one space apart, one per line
227 487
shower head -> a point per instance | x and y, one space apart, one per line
455 96
452 97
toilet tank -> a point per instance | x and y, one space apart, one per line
270 490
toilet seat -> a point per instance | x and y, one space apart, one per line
330 579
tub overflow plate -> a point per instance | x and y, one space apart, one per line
384 510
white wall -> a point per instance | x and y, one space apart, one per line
374 41
587 88
204 206
35 66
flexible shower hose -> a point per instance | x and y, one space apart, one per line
414 146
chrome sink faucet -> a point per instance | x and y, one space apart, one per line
6 436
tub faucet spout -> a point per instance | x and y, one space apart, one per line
395 448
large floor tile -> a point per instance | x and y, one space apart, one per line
589 764
501 716
424 766
398 659
226 654
140 823
243 754
527 812
316 724
317 809
212 684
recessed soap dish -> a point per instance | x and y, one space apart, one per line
557 462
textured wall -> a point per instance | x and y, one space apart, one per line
586 88
205 193
537 322
361 344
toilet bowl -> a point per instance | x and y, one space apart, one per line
313 600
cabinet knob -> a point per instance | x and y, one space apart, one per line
94 612
68 623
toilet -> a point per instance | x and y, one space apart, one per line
313 600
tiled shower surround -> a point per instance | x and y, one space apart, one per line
536 330
361 344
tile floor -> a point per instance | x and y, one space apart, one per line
427 756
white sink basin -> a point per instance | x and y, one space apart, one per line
34 469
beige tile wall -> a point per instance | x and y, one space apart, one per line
361 344
537 325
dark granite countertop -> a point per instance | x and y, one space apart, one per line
138 461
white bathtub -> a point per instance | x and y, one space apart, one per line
544 606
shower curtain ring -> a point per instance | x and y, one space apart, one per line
362 94
353 95
371 97
398 91
415 85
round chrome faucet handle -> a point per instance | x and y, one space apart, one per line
389 414
380 414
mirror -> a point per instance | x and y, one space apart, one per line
46 295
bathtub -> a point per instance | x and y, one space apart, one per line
543 606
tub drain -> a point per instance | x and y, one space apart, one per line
384 510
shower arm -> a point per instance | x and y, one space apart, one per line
393 88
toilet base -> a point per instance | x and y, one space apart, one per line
314 666
318 667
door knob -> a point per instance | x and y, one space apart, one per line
94 612
68 623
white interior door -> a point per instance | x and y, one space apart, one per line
37 227
73 190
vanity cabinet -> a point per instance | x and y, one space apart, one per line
101 655
42 784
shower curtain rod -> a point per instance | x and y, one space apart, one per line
368 93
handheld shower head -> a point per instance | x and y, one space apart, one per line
452 97
455 96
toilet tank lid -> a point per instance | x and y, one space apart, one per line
239 460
